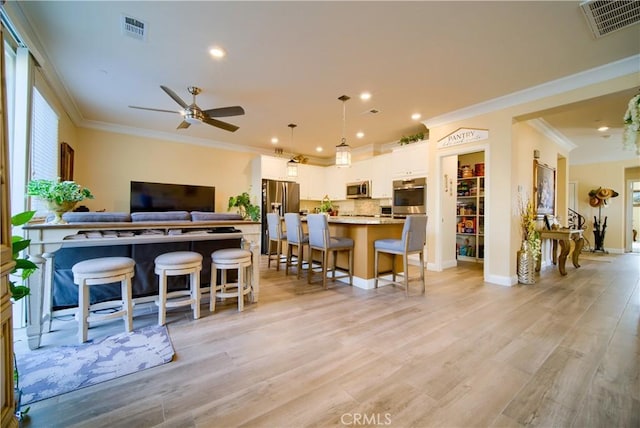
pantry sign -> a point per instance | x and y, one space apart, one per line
463 136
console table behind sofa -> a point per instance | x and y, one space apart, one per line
142 236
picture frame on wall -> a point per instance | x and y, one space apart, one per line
66 162
544 190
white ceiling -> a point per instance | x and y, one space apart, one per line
288 62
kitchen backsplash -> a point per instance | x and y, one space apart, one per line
350 207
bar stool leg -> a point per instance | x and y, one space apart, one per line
162 307
83 310
212 289
241 275
126 304
194 281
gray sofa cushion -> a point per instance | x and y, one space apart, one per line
94 217
209 216
161 216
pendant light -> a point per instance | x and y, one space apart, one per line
292 165
343 151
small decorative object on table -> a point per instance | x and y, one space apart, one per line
60 196
530 249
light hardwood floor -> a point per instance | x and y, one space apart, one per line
564 352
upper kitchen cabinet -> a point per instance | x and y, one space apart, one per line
381 176
410 160
274 168
358 171
335 183
311 179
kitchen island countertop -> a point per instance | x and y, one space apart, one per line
362 220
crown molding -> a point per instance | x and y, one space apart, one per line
593 76
553 134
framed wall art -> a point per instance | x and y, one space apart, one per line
544 188
66 162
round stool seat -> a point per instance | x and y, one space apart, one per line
231 255
178 259
104 266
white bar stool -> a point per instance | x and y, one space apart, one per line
99 271
174 264
225 259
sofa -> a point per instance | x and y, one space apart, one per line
145 281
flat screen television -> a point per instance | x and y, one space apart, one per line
146 197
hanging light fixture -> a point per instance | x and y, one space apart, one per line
292 165
343 151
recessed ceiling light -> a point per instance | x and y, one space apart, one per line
318 149
603 128
217 52
416 116
274 140
365 96
360 134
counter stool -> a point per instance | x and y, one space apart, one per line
295 238
321 240
104 270
277 236
225 259
173 264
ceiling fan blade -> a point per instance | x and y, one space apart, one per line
175 97
220 124
184 125
154 109
224 111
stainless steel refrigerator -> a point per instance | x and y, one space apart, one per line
281 197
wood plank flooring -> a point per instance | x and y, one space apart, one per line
564 352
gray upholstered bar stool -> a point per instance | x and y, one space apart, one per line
321 240
225 259
277 236
103 270
173 264
295 238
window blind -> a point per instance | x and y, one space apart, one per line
44 144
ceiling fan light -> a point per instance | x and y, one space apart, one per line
192 120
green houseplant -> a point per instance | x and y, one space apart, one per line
245 207
60 196
23 269
411 138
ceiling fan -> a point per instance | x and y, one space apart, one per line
194 114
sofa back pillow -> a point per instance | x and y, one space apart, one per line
161 216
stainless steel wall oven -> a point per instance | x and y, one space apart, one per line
409 197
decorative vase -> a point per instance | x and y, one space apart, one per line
59 209
526 264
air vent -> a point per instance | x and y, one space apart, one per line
605 17
133 27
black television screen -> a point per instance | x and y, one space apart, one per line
146 197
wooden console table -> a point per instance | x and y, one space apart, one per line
564 237
46 239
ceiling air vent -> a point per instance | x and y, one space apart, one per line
133 27
605 17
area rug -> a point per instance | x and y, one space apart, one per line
50 372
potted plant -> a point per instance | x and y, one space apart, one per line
245 207
326 206
411 138
60 196
23 269
530 248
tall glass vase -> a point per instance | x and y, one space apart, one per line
526 264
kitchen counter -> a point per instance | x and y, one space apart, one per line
364 220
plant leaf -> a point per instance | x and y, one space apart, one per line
22 218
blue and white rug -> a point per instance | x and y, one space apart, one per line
50 372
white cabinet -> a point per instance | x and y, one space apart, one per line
311 179
274 168
410 160
358 171
381 176
335 183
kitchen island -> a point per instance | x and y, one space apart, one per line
364 231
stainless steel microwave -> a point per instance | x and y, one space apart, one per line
359 190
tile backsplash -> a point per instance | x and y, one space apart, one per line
350 206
